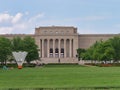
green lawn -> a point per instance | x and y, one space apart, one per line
60 77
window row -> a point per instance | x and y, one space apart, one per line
57 50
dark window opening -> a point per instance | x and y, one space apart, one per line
56 50
51 50
62 50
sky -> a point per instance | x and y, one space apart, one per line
89 16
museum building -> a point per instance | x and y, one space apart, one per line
59 43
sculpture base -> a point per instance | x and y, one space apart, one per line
19 67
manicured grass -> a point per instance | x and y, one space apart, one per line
60 77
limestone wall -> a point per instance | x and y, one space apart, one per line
55 30
86 40
11 36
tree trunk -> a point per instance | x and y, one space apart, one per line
5 62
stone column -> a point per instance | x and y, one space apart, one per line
64 48
42 48
48 48
53 48
70 48
59 47
38 43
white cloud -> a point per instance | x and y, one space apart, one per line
10 23
19 24
17 17
5 17
35 18
4 30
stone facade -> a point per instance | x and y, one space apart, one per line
58 44
86 40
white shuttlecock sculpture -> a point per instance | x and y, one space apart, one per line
19 57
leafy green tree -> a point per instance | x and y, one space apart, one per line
115 42
79 52
31 48
26 44
101 51
5 49
97 49
89 54
105 51
17 44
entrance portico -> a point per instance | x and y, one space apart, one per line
57 43
56 48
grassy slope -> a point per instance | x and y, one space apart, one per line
58 76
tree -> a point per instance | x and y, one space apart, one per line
5 49
115 42
17 44
101 51
104 51
79 52
31 48
87 55
26 44
90 53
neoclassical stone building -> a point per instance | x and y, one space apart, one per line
59 43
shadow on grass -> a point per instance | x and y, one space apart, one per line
81 88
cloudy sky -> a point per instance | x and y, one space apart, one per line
89 16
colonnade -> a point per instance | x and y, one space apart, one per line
56 48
